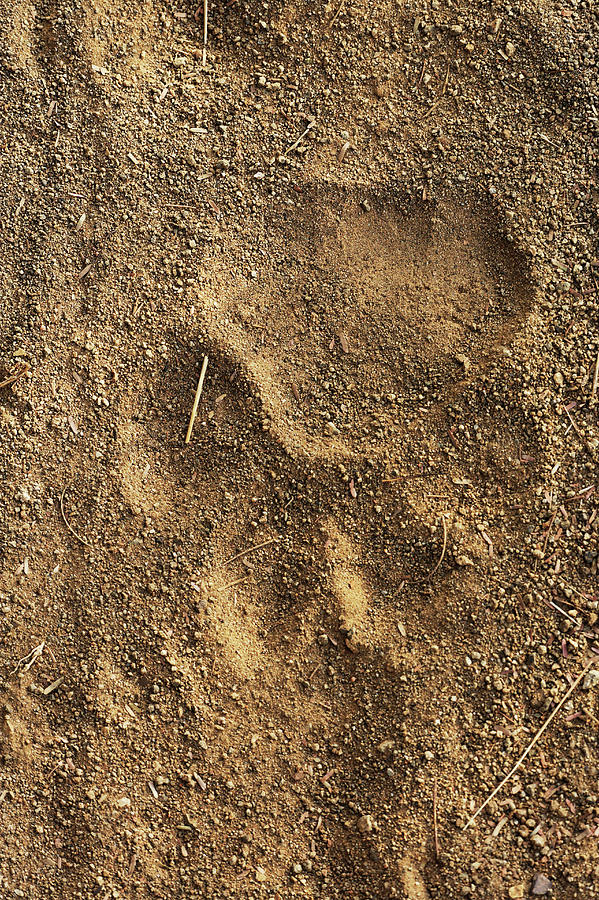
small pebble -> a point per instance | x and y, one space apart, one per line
364 824
541 885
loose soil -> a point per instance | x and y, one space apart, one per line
265 663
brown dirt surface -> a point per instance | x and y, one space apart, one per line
263 664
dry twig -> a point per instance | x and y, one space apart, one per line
435 825
442 557
300 138
445 82
235 583
251 550
22 370
336 16
540 732
25 663
595 377
52 687
196 401
67 523
205 32
549 527
572 423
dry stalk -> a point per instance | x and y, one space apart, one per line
196 401
539 733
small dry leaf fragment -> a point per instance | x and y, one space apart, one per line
81 221
499 826
72 425
342 151
344 342
488 541
463 359
295 391
332 344
464 561
52 687
85 270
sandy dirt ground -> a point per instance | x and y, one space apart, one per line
292 657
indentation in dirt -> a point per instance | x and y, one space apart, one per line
413 882
156 468
119 35
16 34
364 299
22 730
349 588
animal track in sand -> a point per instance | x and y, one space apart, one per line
366 304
